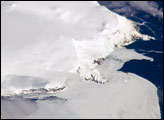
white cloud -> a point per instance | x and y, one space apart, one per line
126 7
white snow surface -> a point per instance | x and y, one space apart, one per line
48 44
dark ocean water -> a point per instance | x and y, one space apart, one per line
152 71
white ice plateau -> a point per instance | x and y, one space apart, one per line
78 46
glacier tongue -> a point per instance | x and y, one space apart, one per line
44 45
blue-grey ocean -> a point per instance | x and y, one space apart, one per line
152 71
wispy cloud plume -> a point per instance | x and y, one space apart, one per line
131 7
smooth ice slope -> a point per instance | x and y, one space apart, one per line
49 44
39 38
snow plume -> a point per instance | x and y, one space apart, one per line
107 41
56 45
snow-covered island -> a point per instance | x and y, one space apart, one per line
72 51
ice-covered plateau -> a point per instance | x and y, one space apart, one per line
76 47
